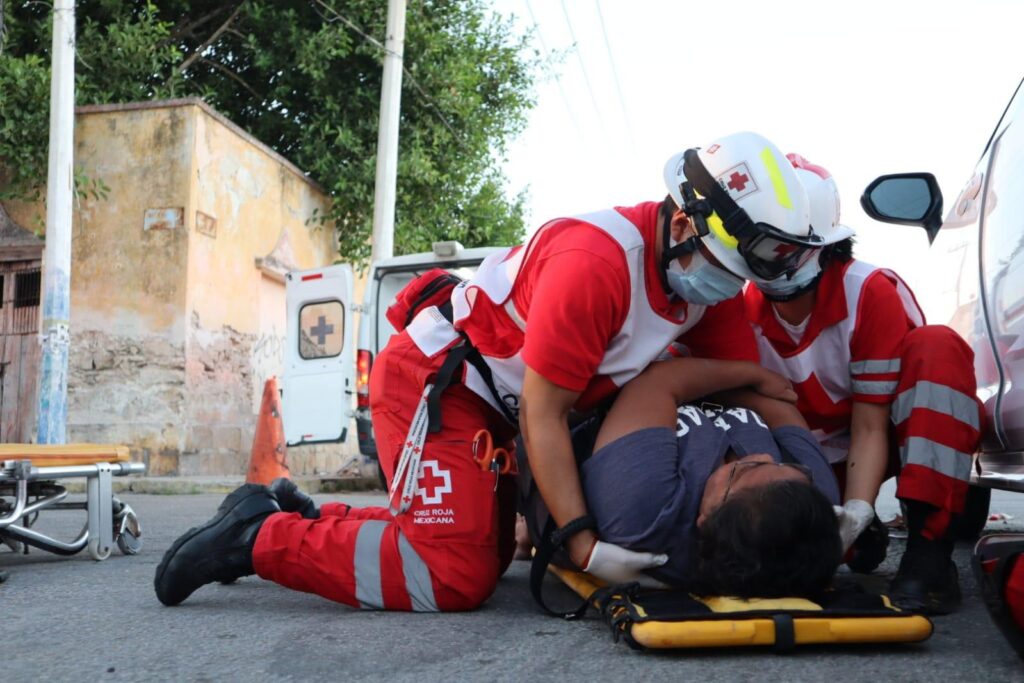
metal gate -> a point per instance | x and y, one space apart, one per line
20 283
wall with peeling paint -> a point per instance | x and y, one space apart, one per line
177 295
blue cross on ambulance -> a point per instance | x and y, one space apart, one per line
327 373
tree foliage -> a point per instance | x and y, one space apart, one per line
305 78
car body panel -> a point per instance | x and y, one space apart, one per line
978 258
1003 269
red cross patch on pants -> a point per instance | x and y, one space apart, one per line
447 551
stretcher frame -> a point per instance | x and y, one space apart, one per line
32 472
757 629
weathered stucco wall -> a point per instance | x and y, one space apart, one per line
126 368
175 323
248 204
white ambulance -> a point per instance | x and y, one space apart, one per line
323 367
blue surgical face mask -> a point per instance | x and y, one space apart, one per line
701 282
784 289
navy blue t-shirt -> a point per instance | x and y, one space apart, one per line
644 489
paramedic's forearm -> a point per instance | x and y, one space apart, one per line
691 378
869 450
776 413
544 422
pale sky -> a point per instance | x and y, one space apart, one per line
861 88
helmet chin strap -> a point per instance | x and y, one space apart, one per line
697 210
781 298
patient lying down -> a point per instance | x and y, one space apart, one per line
740 498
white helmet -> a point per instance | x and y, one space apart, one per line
823 194
750 210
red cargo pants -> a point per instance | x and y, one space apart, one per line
938 421
446 552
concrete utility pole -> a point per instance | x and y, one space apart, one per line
53 384
387 137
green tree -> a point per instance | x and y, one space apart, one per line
305 78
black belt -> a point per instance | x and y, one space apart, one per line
464 352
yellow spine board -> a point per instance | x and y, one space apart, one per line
659 635
58 455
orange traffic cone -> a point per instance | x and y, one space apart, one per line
269 458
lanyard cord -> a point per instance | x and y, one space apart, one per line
408 470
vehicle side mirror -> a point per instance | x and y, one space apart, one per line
906 199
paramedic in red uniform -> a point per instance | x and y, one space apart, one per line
560 324
879 388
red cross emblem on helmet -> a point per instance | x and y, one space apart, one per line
738 181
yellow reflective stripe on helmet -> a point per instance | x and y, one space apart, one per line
717 228
781 192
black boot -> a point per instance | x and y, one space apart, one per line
292 499
220 550
927 580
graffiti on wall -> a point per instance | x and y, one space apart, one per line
267 362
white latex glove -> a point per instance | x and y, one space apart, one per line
854 517
613 564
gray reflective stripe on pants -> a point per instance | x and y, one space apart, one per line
367 570
943 459
417 577
873 387
939 398
874 367
367 564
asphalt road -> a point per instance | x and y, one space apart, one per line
75 619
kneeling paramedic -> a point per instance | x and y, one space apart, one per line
881 390
557 324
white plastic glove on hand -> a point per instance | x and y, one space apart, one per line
613 564
854 517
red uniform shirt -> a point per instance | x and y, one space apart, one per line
879 324
574 289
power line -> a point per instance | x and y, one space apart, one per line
615 75
586 76
558 79
408 74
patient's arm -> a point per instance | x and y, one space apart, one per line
775 413
650 399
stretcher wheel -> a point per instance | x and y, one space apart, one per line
96 552
127 530
129 543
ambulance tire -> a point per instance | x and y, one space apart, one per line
381 478
969 526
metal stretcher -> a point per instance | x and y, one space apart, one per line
29 477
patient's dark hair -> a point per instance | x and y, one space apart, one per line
771 541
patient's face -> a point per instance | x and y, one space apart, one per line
758 469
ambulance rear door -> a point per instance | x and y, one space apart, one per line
320 355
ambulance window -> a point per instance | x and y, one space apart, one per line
321 330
